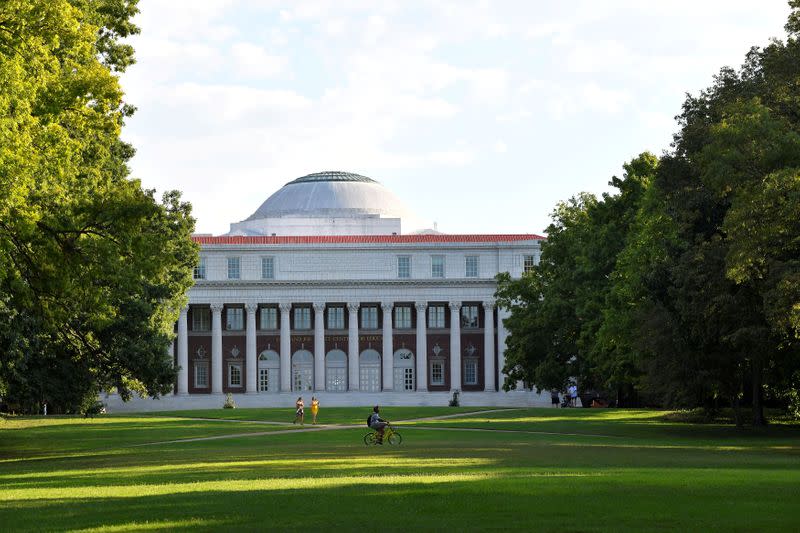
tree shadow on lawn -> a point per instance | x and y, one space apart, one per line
544 502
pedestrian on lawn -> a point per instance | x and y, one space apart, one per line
299 413
314 409
554 398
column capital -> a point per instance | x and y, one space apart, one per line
318 307
387 306
489 304
251 307
455 306
421 306
285 307
216 307
353 306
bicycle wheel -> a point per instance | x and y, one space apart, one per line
395 438
369 438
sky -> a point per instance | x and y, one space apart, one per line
480 116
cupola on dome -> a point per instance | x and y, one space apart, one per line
330 203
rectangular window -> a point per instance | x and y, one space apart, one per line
402 317
528 262
234 318
302 318
336 318
200 269
471 266
267 268
404 266
201 319
234 375
268 318
201 375
436 315
437 372
369 318
437 266
469 316
470 372
234 268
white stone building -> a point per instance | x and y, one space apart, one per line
331 288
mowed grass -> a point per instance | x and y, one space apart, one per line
327 415
548 470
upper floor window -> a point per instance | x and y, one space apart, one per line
269 318
404 266
402 317
436 315
471 266
234 318
302 318
469 316
528 262
437 266
200 269
201 319
335 317
369 318
234 268
267 268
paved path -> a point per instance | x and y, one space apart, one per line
329 427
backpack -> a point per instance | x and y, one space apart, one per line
368 420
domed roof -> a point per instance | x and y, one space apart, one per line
333 194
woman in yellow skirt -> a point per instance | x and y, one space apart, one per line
314 409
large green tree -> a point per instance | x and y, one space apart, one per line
92 267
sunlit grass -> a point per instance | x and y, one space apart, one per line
546 472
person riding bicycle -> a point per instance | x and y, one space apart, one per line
377 423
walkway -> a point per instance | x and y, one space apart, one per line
329 427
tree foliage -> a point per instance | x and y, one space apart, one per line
92 268
684 286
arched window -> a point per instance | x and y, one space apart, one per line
269 367
370 371
404 370
302 371
336 371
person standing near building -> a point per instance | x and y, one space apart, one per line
299 413
573 395
554 398
314 409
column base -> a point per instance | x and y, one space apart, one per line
182 394
251 392
422 390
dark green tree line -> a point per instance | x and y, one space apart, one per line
688 292
92 267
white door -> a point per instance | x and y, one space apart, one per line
336 371
370 378
302 371
370 371
269 367
404 370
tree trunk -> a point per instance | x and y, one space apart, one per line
737 412
758 407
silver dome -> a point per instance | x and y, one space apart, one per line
333 194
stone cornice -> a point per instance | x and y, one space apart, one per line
262 283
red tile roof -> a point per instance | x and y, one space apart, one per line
364 239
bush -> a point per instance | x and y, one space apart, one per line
229 404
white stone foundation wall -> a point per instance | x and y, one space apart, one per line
517 398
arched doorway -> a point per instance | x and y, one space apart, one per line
404 379
302 371
336 371
370 371
269 368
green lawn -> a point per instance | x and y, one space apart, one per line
549 470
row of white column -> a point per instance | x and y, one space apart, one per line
352 348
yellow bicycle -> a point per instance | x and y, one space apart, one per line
389 434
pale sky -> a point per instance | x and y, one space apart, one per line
479 115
